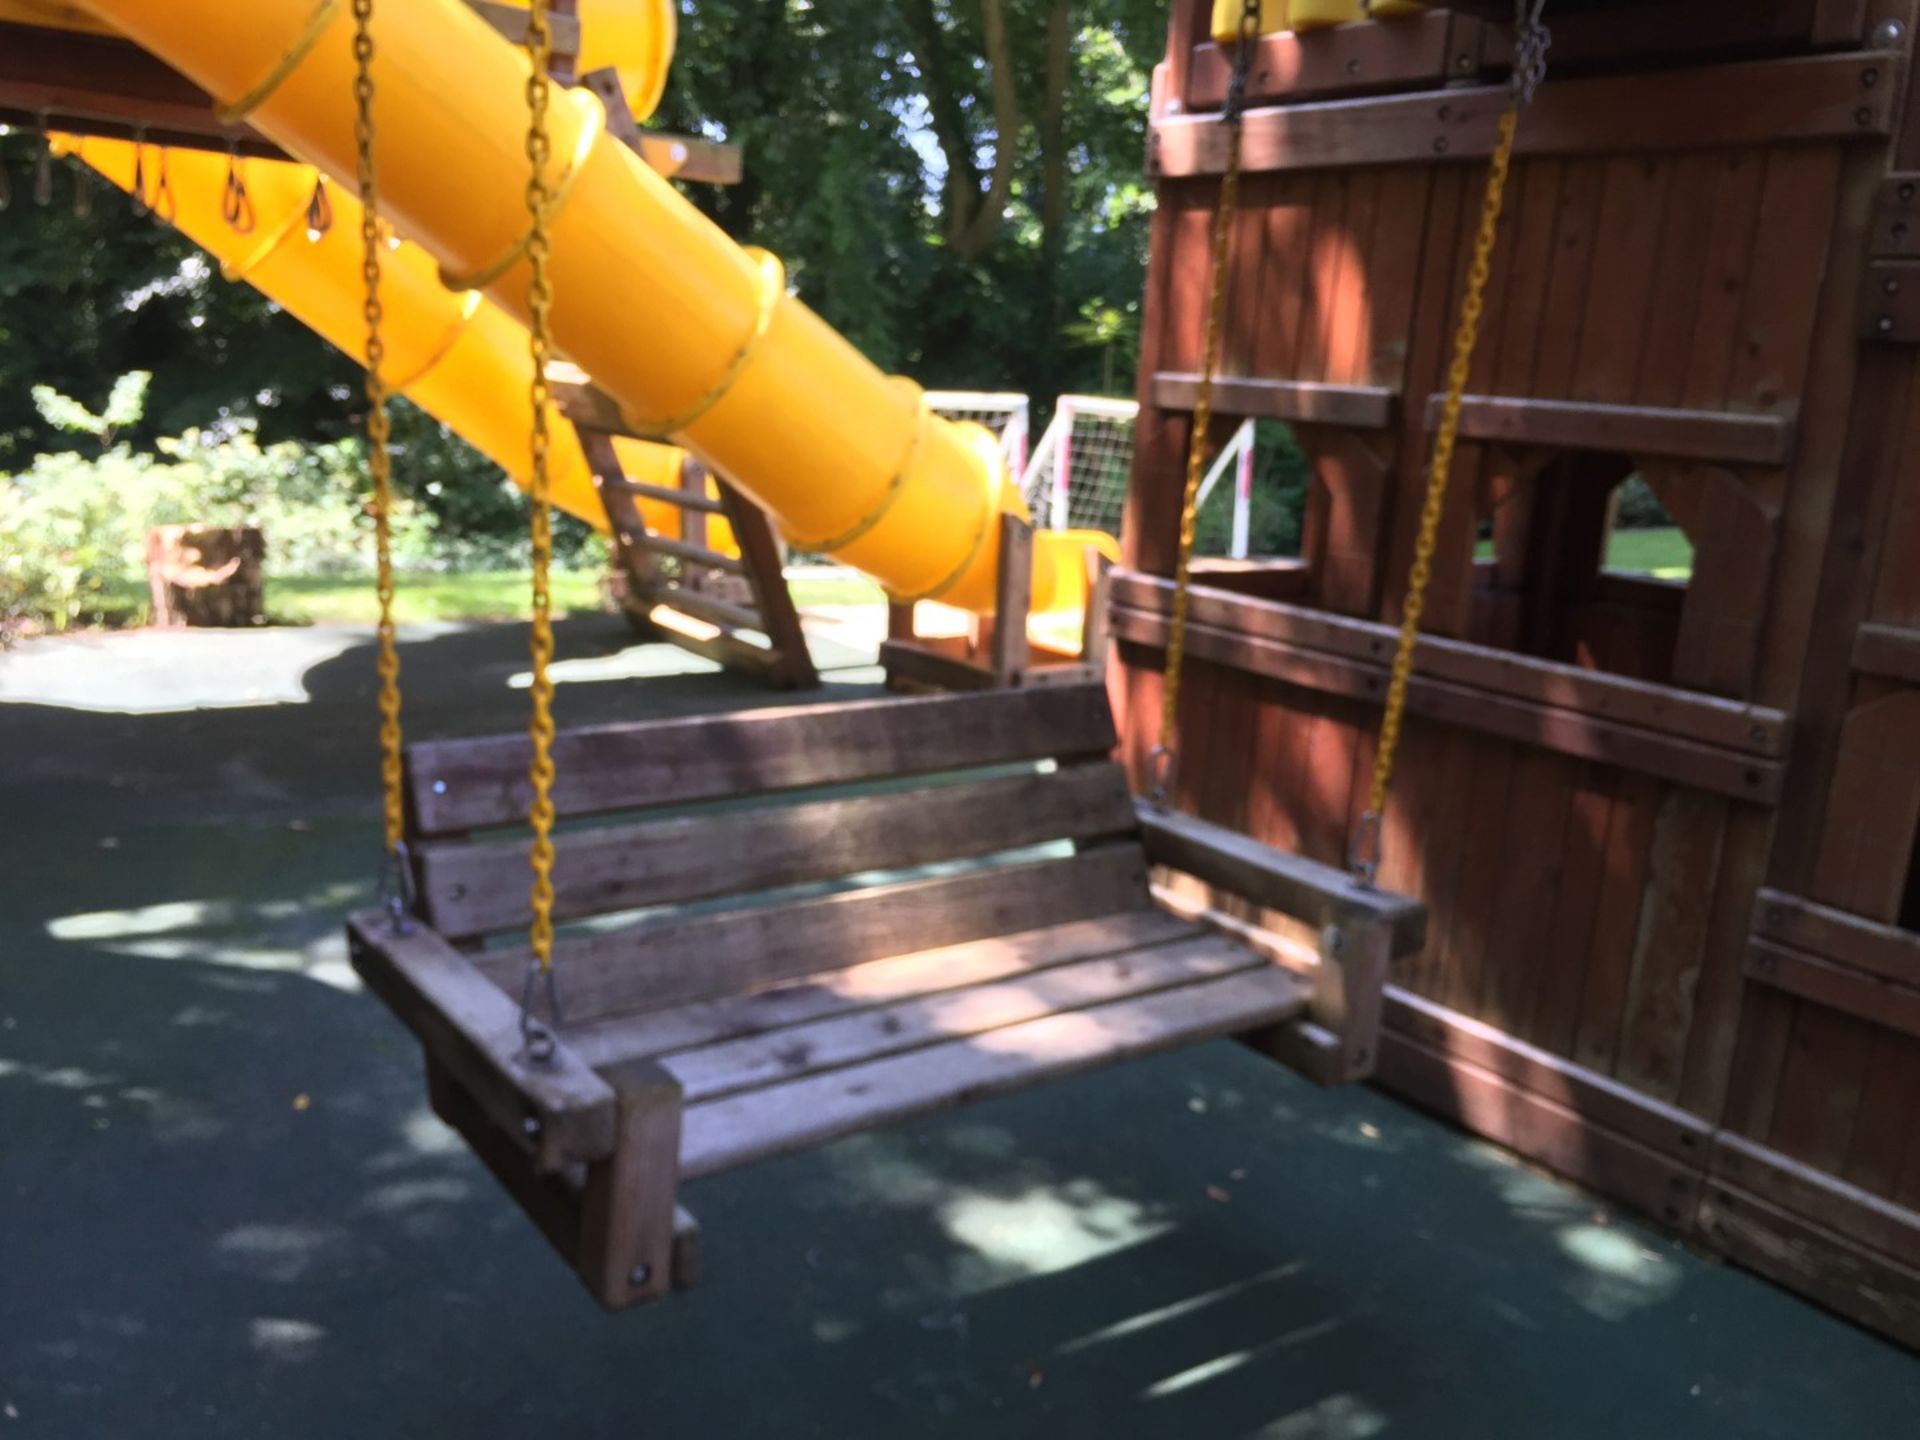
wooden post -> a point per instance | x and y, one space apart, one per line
1012 593
628 1206
793 667
1097 619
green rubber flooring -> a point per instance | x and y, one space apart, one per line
226 1211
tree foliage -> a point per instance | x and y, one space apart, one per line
956 184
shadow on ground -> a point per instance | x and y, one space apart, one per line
226 1211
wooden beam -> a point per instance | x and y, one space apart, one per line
1634 430
1708 719
1318 894
1838 97
511 22
1837 935
1302 402
760 552
1414 52
1836 987
560 1112
1569 732
460 785
1889 650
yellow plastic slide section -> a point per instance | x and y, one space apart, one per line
461 358
696 338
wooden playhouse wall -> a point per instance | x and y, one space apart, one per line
1666 830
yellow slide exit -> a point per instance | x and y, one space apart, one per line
698 339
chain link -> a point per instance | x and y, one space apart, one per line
540 312
1165 758
379 458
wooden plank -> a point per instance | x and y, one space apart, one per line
1821 1078
708 608
1414 52
684 499
674 959
1710 720
1571 733
1531 869
1626 258
1664 1129
472 1028
1622 896
1554 1007
1644 32
1848 1278
913 665
1837 936
1553 1134
875 983
511 22
1889 650
1873 809
762 1123
1300 402
471 889
461 785
1852 992
795 1052
1318 894
698 555
551 1202
1741 103
1668 953
628 1204
780 619
94 84
1013 582
1634 430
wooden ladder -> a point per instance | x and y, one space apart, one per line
735 610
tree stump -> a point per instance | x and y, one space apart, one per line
206 575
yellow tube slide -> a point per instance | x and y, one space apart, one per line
459 357
697 339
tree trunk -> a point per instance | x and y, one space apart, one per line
1053 148
206 575
971 241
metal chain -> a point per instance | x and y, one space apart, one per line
394 874
540 312
1530 50
1165 757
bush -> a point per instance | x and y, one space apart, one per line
73 526
1279 501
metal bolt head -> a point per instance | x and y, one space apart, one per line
1889 34
1863 117
1906 190
439 787
1886 325
1869 78
1439 144
530 1126
640 1275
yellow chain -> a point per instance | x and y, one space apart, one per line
1166 752
379 433
540 307
1466 338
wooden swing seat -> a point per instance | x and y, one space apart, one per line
789 925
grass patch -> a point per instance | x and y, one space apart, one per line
1663 552
436 595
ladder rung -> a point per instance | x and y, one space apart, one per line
691 554
685 499
709 608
